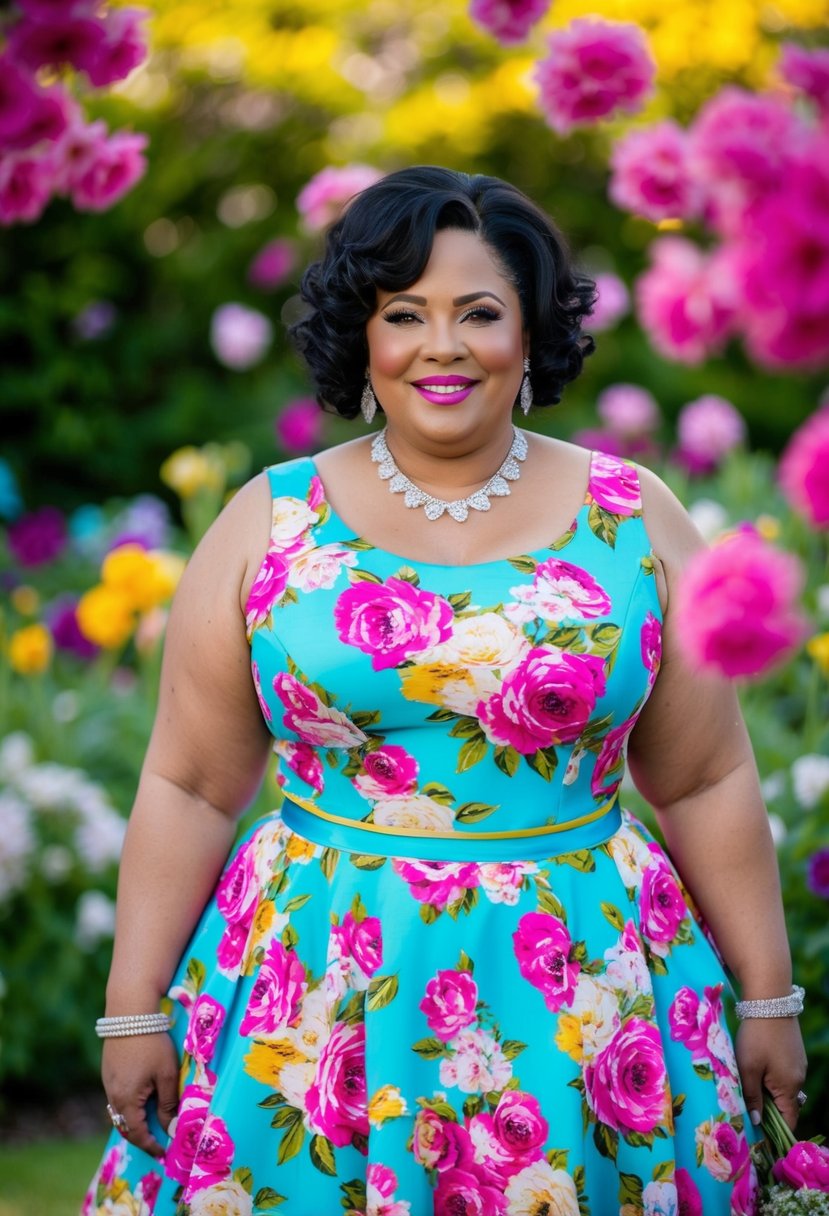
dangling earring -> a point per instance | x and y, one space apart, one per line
368 402
525 397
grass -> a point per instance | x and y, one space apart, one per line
48 1178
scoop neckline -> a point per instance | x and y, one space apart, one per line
552 546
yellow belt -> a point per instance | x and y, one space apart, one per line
387 830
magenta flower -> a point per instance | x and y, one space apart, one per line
276 995
687 1193
625 1081
803 471
806 1165
687 300
337 1103
50 117
118 164
323 199
204 1023
449 1003
38 538
390 772
56 10
807 70
817 873
19 98
651 175
509 21
122 49
628 410
708 429
76 151
240 336
299 425
544 701
72 40
594 69
392 621
272 265
185 1132
542 946
737 606
26 184
612 301
63 625
597 440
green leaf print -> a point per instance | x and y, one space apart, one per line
323 693
640 1007
547 902
612 913
544 762
290 937
266 1198
603 524
643 1139
328 862
464 963
289 596
512 1048
428 913
466 728
272 1100
472 752
705 1071
353 1011
630 1190
664 1171
565 637
580 859
298 901
473 1106
367 861
359 911
647 564
473 812
286 1117
563 540
606 1140
440 1106
677 1105
507 759
244 1177
322 1155
195 975
354 1195
604 638
292 1141
595 730
438 793
356 575
357 544
407 574
524 564
442 715
460 600
557 1157
430 1049
381 992
365 717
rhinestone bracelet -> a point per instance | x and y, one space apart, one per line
133 1023
790 1006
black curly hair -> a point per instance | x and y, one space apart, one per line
384 239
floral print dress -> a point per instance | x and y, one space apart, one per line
449 975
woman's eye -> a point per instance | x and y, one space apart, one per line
400 317
481 314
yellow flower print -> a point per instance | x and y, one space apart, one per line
265 1061
569 1037
386 1103
30 650
298 849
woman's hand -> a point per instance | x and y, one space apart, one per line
771 1056
134 1069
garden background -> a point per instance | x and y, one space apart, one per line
145 374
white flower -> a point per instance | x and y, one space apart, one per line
810 778
17 843
99 838
709 516
95 919
55 862
414 811
631 855
596 1006
779 830
66 706
502 881
290 518
47 785
823 601
774 786
17 753
539 1188
483 641
478 1064
226 1198
319 567
660 1199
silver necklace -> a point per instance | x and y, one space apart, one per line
458 508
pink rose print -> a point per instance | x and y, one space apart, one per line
745 1194
302 759
625 1083
725 1151
316 494
558 591
337 1105
315 723
437 882
391 622
318 567
449 1003
257 684
381 1183
358 944
203 1028
805 1165
546 700
231 948
489 1158
477 1064
214 1157
661 903
186 1130
268 586
501 881
277 993
627 967
459 1191
651 643
610 760
112 1165
238 891
614 485
689 1200
149 1186
390 772
520 1126
542 947
439 1144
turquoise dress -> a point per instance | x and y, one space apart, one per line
449 975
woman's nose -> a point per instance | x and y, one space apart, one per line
442 341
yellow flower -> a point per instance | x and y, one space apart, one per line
818 649
30 650
265 1061
144 579
189 470
25 600
298 849
386 1103
262 921
427 681
569 1038
768 526
105 617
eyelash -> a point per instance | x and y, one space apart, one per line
481 312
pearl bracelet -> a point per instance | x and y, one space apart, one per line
132 1023
790 1006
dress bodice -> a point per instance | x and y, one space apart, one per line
497 696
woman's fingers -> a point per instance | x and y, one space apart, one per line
771 1057
135 1071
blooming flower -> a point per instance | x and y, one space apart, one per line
189 470
687 300
807 70
509 21
143 579
625 1083
324 197
122 49
546 700
628 410
272 265
651 175
95 919
612 301
38 538
105 617
449 1003
299 425
804 469
30 650
817 648
594 69
737 606
118 163
240 336
806 1165
66 632
817 873
810 779
708 429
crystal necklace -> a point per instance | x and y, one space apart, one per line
498 483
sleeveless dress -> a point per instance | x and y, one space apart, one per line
449 975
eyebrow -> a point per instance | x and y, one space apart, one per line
458 302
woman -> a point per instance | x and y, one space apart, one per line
450 974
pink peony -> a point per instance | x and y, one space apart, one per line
298 425
724 1150
612 302
438 1143
56 10
437 882
185 1133
204 1023
519 1124
277 993
628 410
337 1106
625 1083
805 1165
689 1200
362 941
38 538
614 485
650 641
26 185
122 49
19 100
50 118
449 1003
268 587
737 606
807 70
803 471
597 440
325 196
237 893
509 21
650 173
661 902
390 772
64 40
594 69
559 591
272 265
118 164
392 621
314 722
544 701
687 300
460 1191
542 947
610 760
150 1185
745 1193
240 336
302 759
708 429
214 1157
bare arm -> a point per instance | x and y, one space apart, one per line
691 757
205 761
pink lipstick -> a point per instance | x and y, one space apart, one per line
444 390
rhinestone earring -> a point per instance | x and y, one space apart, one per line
525 397
368 402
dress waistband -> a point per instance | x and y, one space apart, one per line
336 831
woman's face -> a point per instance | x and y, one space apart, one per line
446 354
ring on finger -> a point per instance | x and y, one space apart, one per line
801 1098
118 1121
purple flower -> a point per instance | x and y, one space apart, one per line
272 265
26 184
509 21
613 301
39 537
708 429
239 336
50 117
94 320
299 425
18 101
807 70
66 39
628 410
63 623
122 48
817 873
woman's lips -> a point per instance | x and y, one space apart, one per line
445 390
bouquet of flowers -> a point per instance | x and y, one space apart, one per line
795 1173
